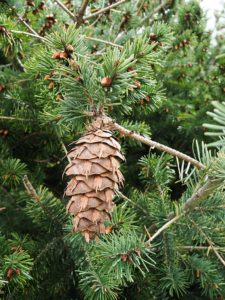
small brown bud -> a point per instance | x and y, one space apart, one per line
106 82
56 55
124 257
137 84
60 55
35 11
5 133
63 55
47 77
59 97
2 29
69 48
2 87
197 274
147 98
11 272
152 36
30 3
108 229
51 85
130 69
42 5
141 102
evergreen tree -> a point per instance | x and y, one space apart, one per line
110 75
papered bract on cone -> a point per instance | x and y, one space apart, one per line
95 175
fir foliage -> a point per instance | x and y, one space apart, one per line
152 70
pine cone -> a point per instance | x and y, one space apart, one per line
95 175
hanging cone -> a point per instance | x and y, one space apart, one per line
95 173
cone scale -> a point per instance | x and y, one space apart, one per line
95 176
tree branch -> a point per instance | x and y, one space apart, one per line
101 11
156 10
30 189
15 118
164 227
29 34
102 41
153 144
199 194
191 248
188 206
85 37
69 13
129 200
211 244
29 28
81 12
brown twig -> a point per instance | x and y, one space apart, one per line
2 209
81 12
33 194
156 10
153 144
101 11
102 41
140 7
65 150
85 37
30 189
29 34
164 227
29 28
69 13
191 248
199 194
15 118
147 141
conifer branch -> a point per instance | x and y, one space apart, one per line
30 189
191 248
129 200
65 150
85 37
29 34
6 65
155 11
102 41
188 206
69 13
200 193
81 12
103 10
153 144
140 7
211 244
164 227
14 118
29 27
